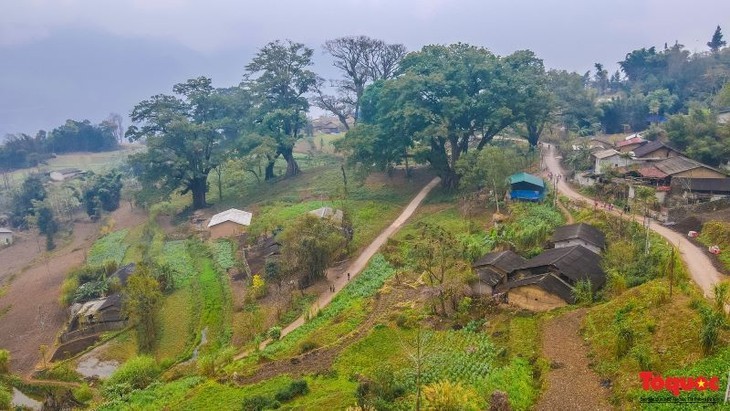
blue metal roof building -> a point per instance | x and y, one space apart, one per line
526 187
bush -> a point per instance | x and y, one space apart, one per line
259 403
83 393
296 388
137 373
5 398
307 346
274 333
4 361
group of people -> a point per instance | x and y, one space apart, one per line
332 286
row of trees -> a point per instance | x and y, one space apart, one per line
22 150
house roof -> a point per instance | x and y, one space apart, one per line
650 147
527 178
605 153
680 164
549 282
234 215
633 140
577 263
124 273
5 230
581 231
329 213
504 260
651 172
717 185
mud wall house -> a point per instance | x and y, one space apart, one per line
229 223
526 187
683 167
6 236
607 159
579 234
492 270
548 280
701 189
102 311
654 150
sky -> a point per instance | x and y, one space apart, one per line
84 59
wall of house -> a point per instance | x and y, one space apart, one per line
611 162
661 153
226 229
578 241
700 172
630 147
534 298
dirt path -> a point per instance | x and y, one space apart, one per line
699 265
571 384
339 280
34 315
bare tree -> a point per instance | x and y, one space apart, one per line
361 61
115 120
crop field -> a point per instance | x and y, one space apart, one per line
111 247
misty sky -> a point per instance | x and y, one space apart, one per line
81 59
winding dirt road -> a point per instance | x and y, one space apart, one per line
699 265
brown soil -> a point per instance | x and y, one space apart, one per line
35 316
571 384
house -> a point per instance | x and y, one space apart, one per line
548 280
681 166
106 311
328 213
6 236
229 223
493 268
123 273
65 174
654 150
600 143
526 187
607 159
630 144
703 189
579 234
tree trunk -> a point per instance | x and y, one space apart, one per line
292 168
199 187
269 171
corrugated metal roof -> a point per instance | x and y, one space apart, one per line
650 147
527 178
652 172
633 140
235 215
679 164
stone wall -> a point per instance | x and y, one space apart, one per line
677 214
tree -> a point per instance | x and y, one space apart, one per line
700 135
601 78
22 205
183 136
575 104
103 193
142 301
489 169
309 246
47 225
361 60
279 78
716 43
533 100
114 123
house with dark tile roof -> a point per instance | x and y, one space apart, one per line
579 234
492 269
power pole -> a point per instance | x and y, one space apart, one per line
671 272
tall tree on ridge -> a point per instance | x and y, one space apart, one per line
717 42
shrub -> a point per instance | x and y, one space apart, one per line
137 373
4 361
712 321
274 333
259 403
294 389
83 393
5 398
448 396
307 346
583 292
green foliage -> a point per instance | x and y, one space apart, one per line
111 247
4 361
274 333
700 135
489 168
223 253
21 205
142 301
259 403
294 389
717 233
103 193
530 226
583 292
83 394
175 254
712 322
310 245
137 373
448 396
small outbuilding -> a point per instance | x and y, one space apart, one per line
526 187
492 269
548 280
229 223
579 234
6 236
106 310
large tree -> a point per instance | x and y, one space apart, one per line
184 138
532 101
280 80
716 43
361 60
